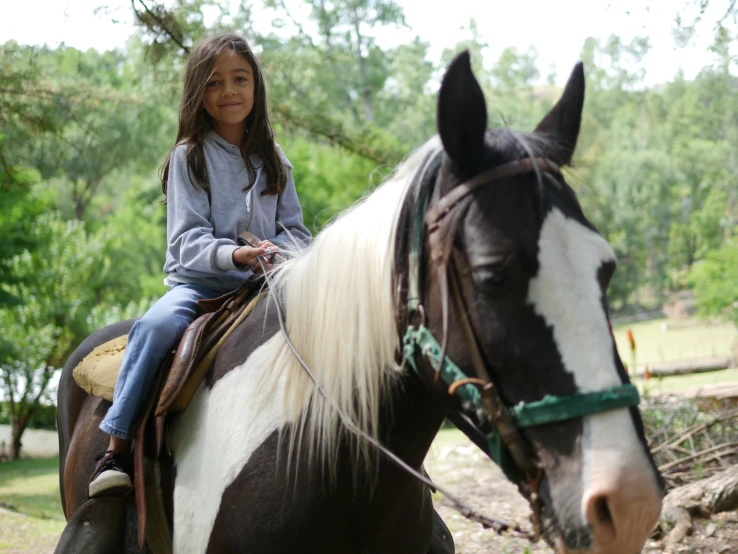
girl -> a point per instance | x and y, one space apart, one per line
225 175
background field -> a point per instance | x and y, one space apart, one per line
662 340
31 517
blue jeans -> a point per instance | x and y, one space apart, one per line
151 338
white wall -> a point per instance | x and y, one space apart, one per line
37 443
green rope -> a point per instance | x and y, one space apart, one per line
422 339
551 409
422 199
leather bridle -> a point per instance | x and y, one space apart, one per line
480 398
501 425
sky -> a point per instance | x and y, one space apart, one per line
556 28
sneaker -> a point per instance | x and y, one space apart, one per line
111 476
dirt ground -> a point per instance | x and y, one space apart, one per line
458 466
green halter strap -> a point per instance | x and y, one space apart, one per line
551 409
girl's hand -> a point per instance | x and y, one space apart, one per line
274 253
249 256
268 245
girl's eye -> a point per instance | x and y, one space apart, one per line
212 84
241 79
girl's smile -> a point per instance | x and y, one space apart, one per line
229 95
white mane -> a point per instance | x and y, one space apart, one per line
339 308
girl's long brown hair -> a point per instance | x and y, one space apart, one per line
195 123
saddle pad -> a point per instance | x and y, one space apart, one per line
97 373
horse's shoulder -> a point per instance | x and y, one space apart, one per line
261 325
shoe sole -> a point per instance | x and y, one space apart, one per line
110 483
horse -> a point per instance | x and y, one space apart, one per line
477 240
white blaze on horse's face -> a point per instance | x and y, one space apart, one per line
567 294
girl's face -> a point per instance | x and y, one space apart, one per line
229 94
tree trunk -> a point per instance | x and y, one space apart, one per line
366 91
716 494
701 365
18 428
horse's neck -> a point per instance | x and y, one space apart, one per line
415 420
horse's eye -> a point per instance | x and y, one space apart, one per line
491 278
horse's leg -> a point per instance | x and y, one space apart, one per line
441 541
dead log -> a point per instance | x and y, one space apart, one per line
691 366
704 498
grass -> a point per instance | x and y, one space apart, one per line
661 340
31 517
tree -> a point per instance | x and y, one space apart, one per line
28 108
56 285
715 285
359 66
110 120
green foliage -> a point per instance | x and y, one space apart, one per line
59 287
134 221
328 180
56 284
43 418
715 285
17 210
104 129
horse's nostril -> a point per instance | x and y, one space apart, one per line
601 519
602 510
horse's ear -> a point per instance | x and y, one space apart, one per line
562 123
462 116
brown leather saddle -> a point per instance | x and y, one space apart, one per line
201 340
200 343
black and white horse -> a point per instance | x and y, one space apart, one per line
264 463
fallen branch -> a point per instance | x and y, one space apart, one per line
704 498
696 428
699 454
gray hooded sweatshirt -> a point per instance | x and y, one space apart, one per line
202 231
